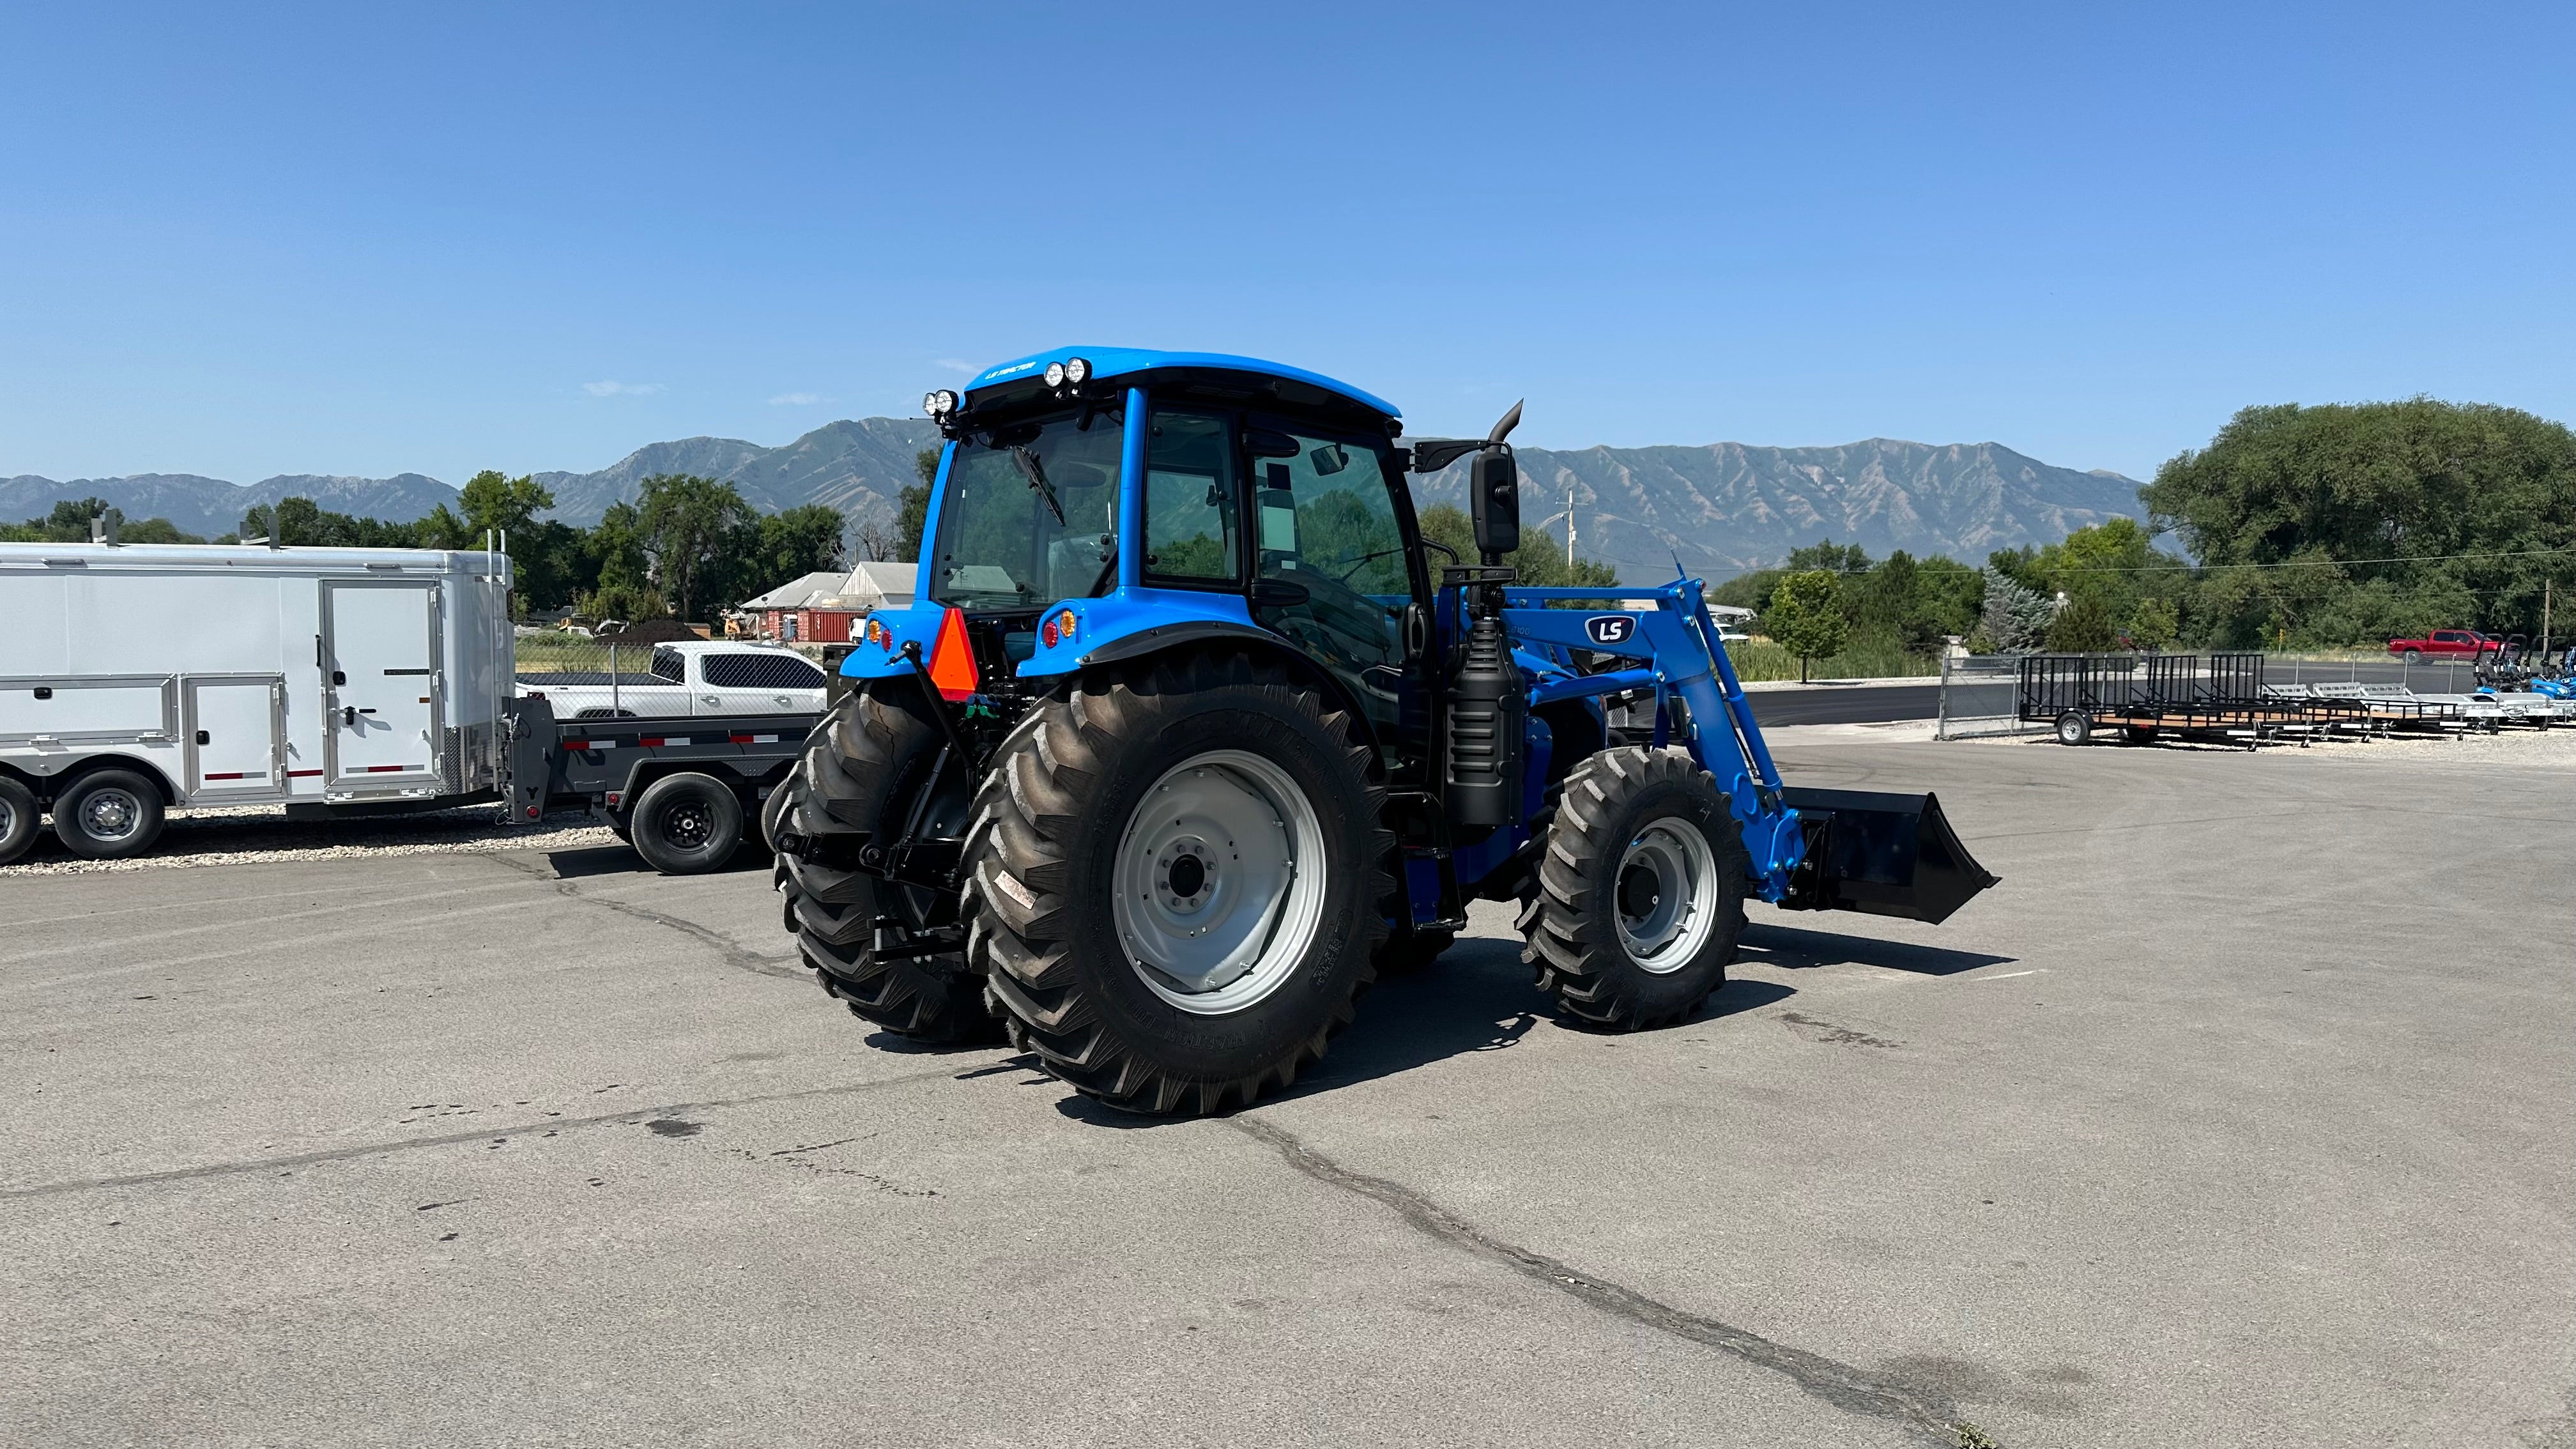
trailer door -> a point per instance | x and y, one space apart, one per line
234 728
381 686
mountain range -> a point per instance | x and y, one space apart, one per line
1720 507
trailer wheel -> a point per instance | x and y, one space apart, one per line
1641 893
108 815
865 772
686 824
1178 880
2074 727
2142 734
17 819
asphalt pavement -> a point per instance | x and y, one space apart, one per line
2187 1133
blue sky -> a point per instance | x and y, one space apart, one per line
366 239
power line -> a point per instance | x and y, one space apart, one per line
1742 570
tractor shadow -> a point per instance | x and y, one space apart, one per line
1479 997
1793 949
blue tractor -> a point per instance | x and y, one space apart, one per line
1185 741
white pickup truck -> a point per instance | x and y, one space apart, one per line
678 680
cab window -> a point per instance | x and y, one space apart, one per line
1326 522
1191 533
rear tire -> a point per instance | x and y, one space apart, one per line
108 815
1151 938
17 819
1640 893
863 773
686 824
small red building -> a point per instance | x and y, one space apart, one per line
822 608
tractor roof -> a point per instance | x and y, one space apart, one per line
1108 362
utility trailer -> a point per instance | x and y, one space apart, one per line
331 681
685 791
2147 696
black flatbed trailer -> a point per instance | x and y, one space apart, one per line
685 791
2147 696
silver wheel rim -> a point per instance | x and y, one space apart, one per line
110 815
1665 896
1219 882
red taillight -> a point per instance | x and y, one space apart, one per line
952 658
1046 633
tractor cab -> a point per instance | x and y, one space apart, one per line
1097 504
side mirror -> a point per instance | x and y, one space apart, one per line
1494 484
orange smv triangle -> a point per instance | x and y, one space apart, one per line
952 659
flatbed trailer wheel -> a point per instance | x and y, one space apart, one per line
894 954
686 824
2074 727
1178 879
108 815
17 819
1640 896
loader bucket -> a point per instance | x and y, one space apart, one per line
1884 854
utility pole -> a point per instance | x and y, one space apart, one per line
1569 527
2548 589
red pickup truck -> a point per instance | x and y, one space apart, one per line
2442 644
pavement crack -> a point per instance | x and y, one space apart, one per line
1839 1384
548 1125
735 954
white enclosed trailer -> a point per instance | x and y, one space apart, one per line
328 680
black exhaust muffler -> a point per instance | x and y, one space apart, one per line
1880 853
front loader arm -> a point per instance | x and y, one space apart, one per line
1810 849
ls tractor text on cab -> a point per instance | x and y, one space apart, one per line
1185 742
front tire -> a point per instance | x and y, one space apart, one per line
108 815
864 772
1640 893
2074 727
1178 880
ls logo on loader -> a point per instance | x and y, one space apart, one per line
1609 628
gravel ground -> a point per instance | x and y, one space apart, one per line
239 834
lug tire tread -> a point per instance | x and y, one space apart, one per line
1034 797
1574 948
839 787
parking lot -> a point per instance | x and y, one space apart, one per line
2236 1115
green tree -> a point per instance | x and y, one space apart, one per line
614 551
2332 524
2153 626
801 540
2083 626
493 500
1806 617
2014 617
694 530
302 523
912 511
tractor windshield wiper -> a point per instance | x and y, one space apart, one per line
1035 471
